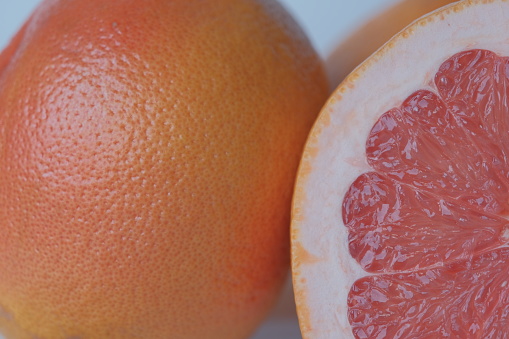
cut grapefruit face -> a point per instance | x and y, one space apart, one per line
400 218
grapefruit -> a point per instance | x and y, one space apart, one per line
148 152
400 215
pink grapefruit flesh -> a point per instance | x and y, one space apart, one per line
431 218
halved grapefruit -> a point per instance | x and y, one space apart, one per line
400 214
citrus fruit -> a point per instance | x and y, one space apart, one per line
399 224
148 152
371 35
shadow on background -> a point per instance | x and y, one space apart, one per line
372 35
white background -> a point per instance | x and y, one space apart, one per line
327 23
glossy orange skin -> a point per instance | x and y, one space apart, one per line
148 151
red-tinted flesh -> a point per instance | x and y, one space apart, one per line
431 219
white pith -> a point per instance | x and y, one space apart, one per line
323 270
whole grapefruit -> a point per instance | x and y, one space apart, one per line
148 151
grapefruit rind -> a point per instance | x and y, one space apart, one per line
335 154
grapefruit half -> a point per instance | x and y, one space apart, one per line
399 225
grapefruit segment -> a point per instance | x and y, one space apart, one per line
396 227
474 85
422 143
